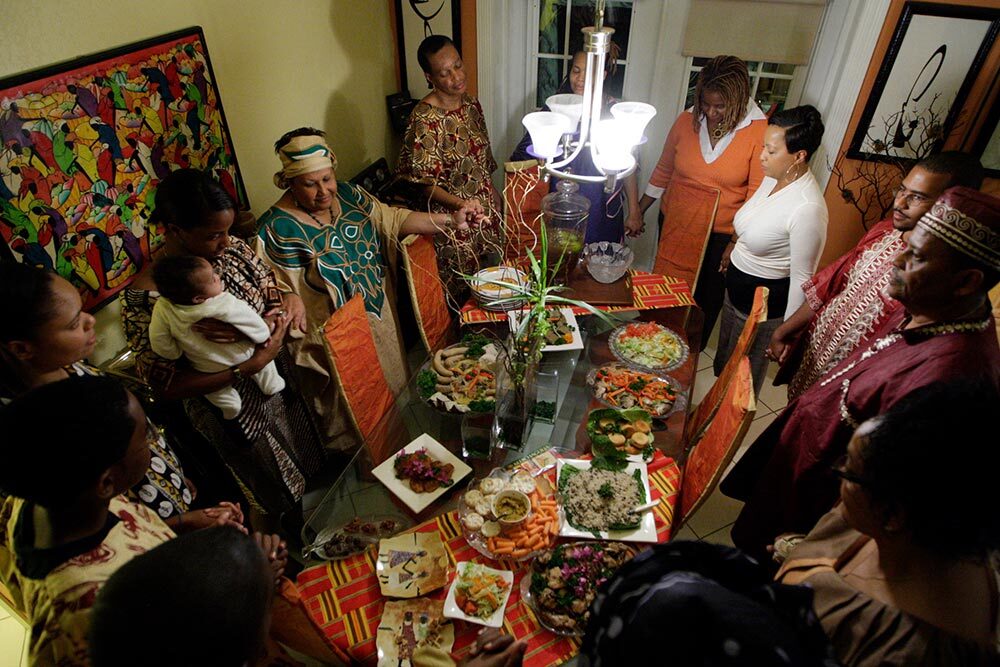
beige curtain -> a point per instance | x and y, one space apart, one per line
777 31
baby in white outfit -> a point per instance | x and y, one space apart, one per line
190 290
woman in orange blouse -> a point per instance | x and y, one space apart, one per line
708 168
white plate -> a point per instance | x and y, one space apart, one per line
646 532
417 502
452 610
486 292
576 344
622 356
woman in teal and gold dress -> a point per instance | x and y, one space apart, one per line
328 241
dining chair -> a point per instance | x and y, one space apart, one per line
716 447
703 413
685 231
430 307
523 191
358 376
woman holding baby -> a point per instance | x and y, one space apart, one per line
271 446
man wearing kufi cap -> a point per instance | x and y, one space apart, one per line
944 331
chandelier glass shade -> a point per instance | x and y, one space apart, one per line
611 141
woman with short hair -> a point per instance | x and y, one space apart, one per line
778 236
446 151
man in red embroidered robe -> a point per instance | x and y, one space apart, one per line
847 300
944 330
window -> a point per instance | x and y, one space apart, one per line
559 36
770 83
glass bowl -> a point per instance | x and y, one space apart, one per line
607 261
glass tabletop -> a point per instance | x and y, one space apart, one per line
562 376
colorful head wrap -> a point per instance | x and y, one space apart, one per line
303 155
968 221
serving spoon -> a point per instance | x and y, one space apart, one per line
647 506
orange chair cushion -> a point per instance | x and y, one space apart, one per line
427 292
685 230
356 366
716 448
706 409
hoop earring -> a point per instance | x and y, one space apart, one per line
797 174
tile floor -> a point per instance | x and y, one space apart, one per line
713 520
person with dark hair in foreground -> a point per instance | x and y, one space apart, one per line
689 604
210 590
846 301
902 568
64 527
945 331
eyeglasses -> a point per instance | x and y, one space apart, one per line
911 198
839 468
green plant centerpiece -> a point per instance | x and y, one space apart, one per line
522 351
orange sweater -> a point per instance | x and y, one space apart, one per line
736 173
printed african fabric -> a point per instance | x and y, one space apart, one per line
271 447
326 266
451 149
58 603
850 301
784 476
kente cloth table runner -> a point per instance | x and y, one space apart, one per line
649 290
344 599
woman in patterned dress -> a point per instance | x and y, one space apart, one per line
446 151
45 338
272 447
327 241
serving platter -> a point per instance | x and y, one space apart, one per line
652 396
459 378
666 349
475 514
571 326
453 610
645 532
417 502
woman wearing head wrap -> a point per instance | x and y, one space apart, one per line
329 240
446 151
714 147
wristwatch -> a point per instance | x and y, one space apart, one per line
237 373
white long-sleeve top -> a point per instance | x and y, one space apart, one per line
782 234
170 333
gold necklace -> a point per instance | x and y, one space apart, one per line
719 131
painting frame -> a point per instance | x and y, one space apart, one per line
987 143
407 41
895 69
85 142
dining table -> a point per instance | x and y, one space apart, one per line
343 595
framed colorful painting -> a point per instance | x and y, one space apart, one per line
86 142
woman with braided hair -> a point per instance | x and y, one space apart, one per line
707 170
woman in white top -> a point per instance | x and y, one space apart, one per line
779 235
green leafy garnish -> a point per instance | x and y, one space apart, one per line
426 383
648 451
606 491
476 343
607 456
483 405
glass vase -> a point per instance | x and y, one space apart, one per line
515 399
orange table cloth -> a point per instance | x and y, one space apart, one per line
344 599
649 290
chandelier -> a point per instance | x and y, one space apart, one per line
611 141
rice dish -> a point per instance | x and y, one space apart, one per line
598 500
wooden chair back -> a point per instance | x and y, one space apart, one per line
710 455
684 233
699 419
430 306
365 394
